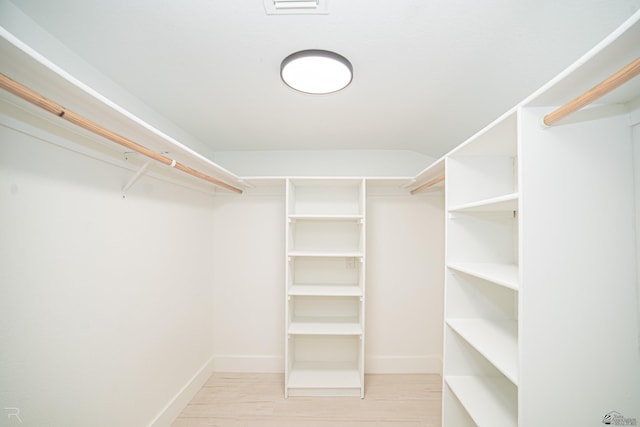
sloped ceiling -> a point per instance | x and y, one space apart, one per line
427 73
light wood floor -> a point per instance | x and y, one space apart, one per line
257 400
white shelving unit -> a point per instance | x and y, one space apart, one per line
482 281
540 242
325 286
499 274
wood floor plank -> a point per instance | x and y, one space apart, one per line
252 400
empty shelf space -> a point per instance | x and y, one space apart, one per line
507 202
320 197
324 375
325 290
325 326
501 274
496 340
490 401
325 235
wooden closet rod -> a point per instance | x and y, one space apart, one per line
618 79
36 99
428 184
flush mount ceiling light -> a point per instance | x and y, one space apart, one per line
296 7
316 71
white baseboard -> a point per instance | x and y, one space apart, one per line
247 363
403 365
169 413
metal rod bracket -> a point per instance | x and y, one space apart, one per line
134 178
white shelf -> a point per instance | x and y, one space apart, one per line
507 202
339 254
490 401
325 326
326 290
330 375
501 274
482 239
496 340
326 217
496 139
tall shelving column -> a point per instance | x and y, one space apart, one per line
482 280
325 287
541 306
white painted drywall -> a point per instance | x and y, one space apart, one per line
635 140
248 260
405 267
105 302
26 30
356 163
404 282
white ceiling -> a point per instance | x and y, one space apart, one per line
427 73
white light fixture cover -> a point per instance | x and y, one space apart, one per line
316 71
295 4
296 7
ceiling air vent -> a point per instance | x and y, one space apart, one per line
296 7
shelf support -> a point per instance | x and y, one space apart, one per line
614 81
134 178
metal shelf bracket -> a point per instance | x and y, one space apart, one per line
134 178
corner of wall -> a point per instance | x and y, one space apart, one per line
176 405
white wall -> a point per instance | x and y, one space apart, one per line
105 301
248 260
357 163
26 30
635 135
405 268
404 282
